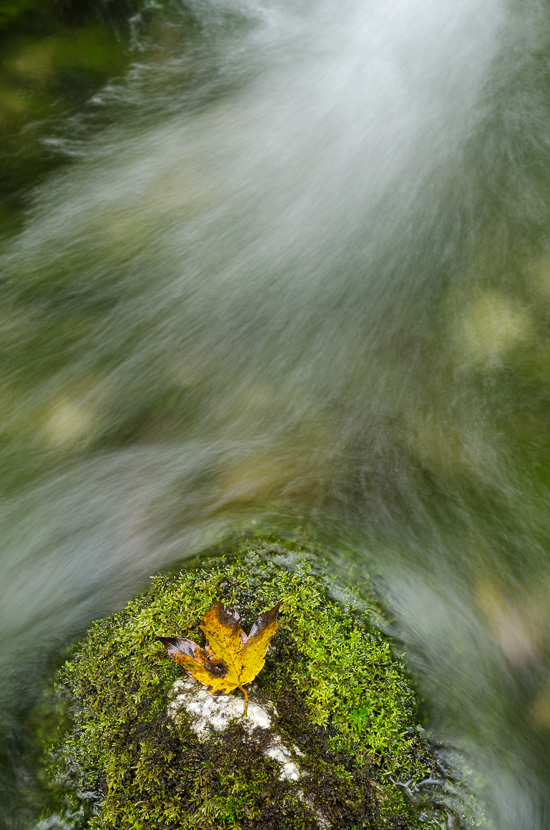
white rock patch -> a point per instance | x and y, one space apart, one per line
213 713
209 712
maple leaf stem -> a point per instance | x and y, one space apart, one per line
243 690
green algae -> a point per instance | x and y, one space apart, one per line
114 759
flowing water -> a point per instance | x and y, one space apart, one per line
294 267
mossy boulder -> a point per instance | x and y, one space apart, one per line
340 707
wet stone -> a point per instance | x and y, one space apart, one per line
129 742
213 713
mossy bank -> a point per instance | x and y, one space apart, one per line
341 700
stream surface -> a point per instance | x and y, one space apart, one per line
290 264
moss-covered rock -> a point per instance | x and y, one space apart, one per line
341 708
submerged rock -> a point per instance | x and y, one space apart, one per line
131 742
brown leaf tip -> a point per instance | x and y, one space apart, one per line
178 645
265 620
226 616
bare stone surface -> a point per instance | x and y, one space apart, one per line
214 713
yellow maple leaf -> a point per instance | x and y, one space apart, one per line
230 659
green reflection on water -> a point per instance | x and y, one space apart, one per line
55 56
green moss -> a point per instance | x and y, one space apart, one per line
114 759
